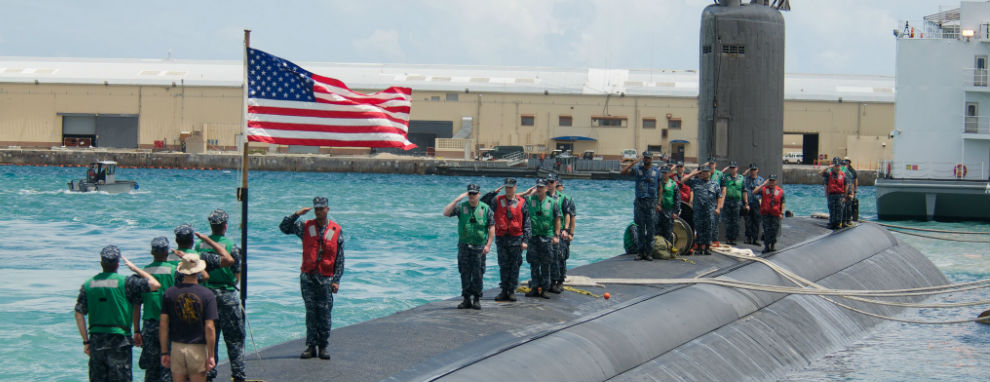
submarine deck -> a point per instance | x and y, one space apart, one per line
434 336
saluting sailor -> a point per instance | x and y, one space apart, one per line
647 178
475 232
732 184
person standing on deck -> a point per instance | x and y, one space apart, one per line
105 301
751 207
475 232
718 177
188 331
851 212
645 207
707 198
544 215
836 189
669 206
223 282
771 210
164 272
512 232
320 273
732 186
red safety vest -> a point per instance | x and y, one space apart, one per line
503 225
770 203
685 191
312 243
836 183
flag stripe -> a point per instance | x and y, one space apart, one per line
289 119
337 129
397 112
319 135
328 142
263 110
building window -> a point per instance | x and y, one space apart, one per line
527 120
435 98
663 133
649 123
706 49
451 97
608 121
565 121
656 149
674 123
733 49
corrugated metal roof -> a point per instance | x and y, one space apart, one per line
639 82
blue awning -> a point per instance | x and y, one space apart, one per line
679 141
573 138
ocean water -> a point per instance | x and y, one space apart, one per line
400 253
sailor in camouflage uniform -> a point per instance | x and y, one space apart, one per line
772 208
151 302
322 268
707 198
669 206
223 282
752 204
544 215
718 177
647 177
106 301
732 187
558 270
475 232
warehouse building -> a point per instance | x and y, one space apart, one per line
196 105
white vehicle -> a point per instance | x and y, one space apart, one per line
794 158
629 154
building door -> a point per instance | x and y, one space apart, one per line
809 148
980 73
78 130
120 131
565 146
423 134
677 152
972 120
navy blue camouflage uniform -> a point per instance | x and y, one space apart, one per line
645 206
752 216
509 247
558 271
771 225
706 194
851 211
731 209
836 203
315 288
538 251
230 324
110 355
471 258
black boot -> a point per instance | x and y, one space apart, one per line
533 293
543 294
324 354
511 296
773 247
502 296
308 353
465 304
476 305
555 287
766 248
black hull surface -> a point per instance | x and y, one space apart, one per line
645 332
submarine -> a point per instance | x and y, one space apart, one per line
647 331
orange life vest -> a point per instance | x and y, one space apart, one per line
836 183
313 259
503 225
770 203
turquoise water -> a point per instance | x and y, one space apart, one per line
400 253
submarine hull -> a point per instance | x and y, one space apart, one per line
671 332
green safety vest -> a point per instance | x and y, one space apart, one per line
474 233
627 240
541 215
106 300
164 272
717 176
734 187
220 278
669 191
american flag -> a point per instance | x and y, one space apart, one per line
290 106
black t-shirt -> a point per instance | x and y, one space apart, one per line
188 306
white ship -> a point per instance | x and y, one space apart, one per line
941 141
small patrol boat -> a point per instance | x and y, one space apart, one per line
102 176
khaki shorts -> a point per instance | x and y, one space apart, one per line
188 359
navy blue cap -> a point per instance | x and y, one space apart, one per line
772 177
836 161
647 154
510 182
473 188
704 168
664 169
753 166
552 177
184 231
541 182
733 164
110 254
320 202
159 244
218 216
680 163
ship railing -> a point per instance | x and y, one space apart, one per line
976 77
936 170
976 125
927 29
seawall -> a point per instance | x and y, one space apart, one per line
384 164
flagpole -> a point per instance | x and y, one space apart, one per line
242 192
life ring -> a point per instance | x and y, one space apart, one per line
960 170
